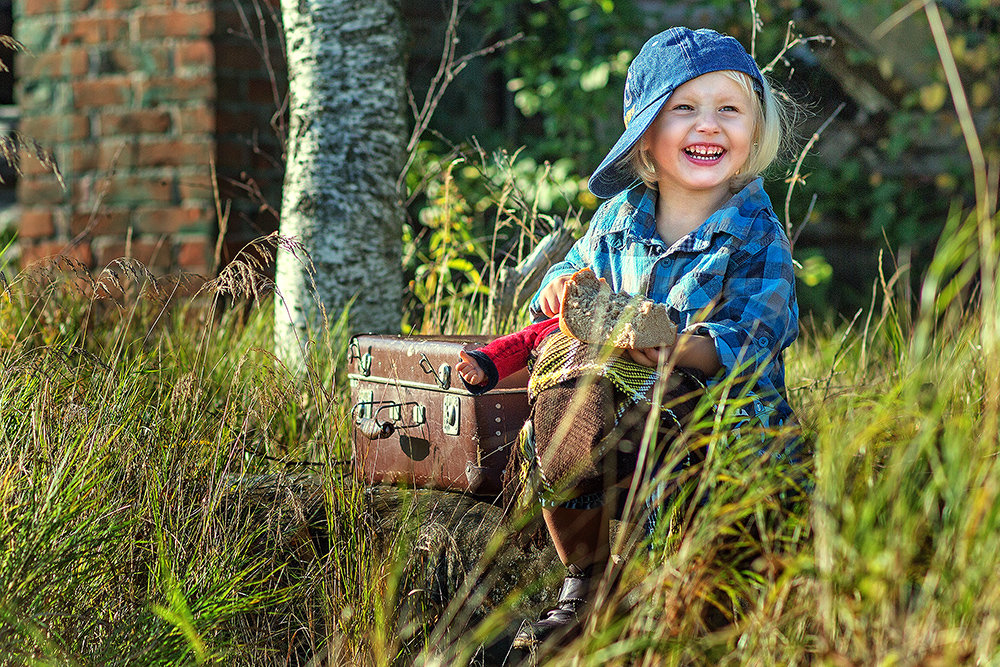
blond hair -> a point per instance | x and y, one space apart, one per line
771 132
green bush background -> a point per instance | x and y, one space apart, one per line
884 180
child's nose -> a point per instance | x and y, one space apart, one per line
708 122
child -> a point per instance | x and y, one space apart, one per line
686 223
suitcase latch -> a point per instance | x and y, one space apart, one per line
452 417
443 374
364 360
419 415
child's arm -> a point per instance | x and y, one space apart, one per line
690 351
549 299
501 357
757 316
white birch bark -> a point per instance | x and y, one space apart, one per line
346 144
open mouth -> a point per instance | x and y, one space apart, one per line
705 153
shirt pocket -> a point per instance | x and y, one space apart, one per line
695 291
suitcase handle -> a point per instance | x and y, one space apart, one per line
374 429
442 375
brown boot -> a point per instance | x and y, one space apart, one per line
562 622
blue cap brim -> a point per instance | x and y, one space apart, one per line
611 177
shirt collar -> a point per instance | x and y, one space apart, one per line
637 215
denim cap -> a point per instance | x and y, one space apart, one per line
667 60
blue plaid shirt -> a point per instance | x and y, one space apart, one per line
732 278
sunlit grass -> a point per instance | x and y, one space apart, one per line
173 495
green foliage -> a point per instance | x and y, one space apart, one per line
573 59
470 215
903 165
443 277
141 523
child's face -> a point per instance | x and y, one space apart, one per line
702 135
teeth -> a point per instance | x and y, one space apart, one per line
703 152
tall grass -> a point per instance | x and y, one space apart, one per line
172 495
143 524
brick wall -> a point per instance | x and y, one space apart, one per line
136 99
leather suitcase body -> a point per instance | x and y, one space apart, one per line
414 422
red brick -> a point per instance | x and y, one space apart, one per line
125 59
36 251
59 127
176 24
120 5
94 30
169 220
160 89
111 90
195 255
103 157
107 221
68 62
197 53
127 5
153 254
153 121
115 153
29 165
36 7
39 191
172 153
83 158
196 186
196 119
137 190
37 161
36 224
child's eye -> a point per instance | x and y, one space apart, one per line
729 108
683 107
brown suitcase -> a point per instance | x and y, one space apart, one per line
414 422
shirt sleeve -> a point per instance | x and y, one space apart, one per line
578 257
757 317
508 354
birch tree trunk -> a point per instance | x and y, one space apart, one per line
346 144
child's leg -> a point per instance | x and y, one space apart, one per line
569 421
580 536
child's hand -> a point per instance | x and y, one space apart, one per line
649 356
470 370
550 300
